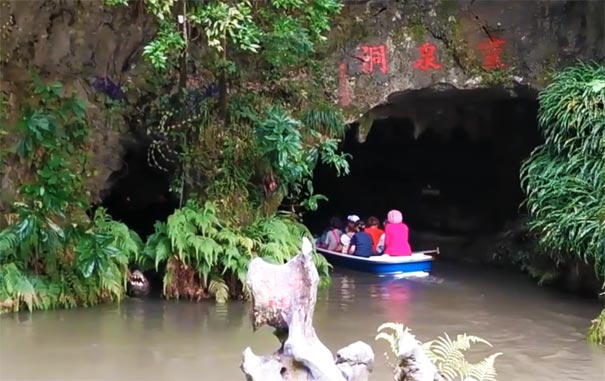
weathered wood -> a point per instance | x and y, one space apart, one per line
284 297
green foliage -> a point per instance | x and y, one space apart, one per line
281 142
218 253
51 131
15 288
262 58
596 332
246 132
51 254
46 266
224 22
564 179
115 2
446 354
167 40
287 29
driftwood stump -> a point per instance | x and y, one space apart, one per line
284 297
414 364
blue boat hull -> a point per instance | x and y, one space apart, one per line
406 265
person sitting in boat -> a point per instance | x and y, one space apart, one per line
361 242
375 232
331 240
345 239
352 220
396 235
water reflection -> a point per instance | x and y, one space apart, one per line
395 296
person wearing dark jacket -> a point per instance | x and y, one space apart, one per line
361 242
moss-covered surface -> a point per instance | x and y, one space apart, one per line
544 77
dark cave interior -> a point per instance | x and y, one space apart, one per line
449 160
140 194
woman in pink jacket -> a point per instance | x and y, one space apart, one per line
396 235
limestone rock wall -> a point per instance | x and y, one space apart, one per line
380 48
81 44
376 51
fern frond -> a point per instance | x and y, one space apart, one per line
389 338
326 120
482 371
392 338
246 293
9 241
16 286
448 355
219 289
596 332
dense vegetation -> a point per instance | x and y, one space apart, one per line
206 256
565 177
51 254
237 111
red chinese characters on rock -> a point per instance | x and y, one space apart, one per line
343 91
427 57
491 50
373 56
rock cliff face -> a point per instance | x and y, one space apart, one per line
87 47
383 48
376 54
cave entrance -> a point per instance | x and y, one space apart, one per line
140 193
448 159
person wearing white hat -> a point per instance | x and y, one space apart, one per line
345 239
352 220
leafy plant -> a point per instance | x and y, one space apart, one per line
85 264
51 254
206 257
564 179
247 49
446 354
281 142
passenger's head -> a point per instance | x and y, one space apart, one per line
352 220
335 223
373 221
360 225
394 217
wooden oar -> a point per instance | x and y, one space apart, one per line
436 251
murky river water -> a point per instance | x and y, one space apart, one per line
540 332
